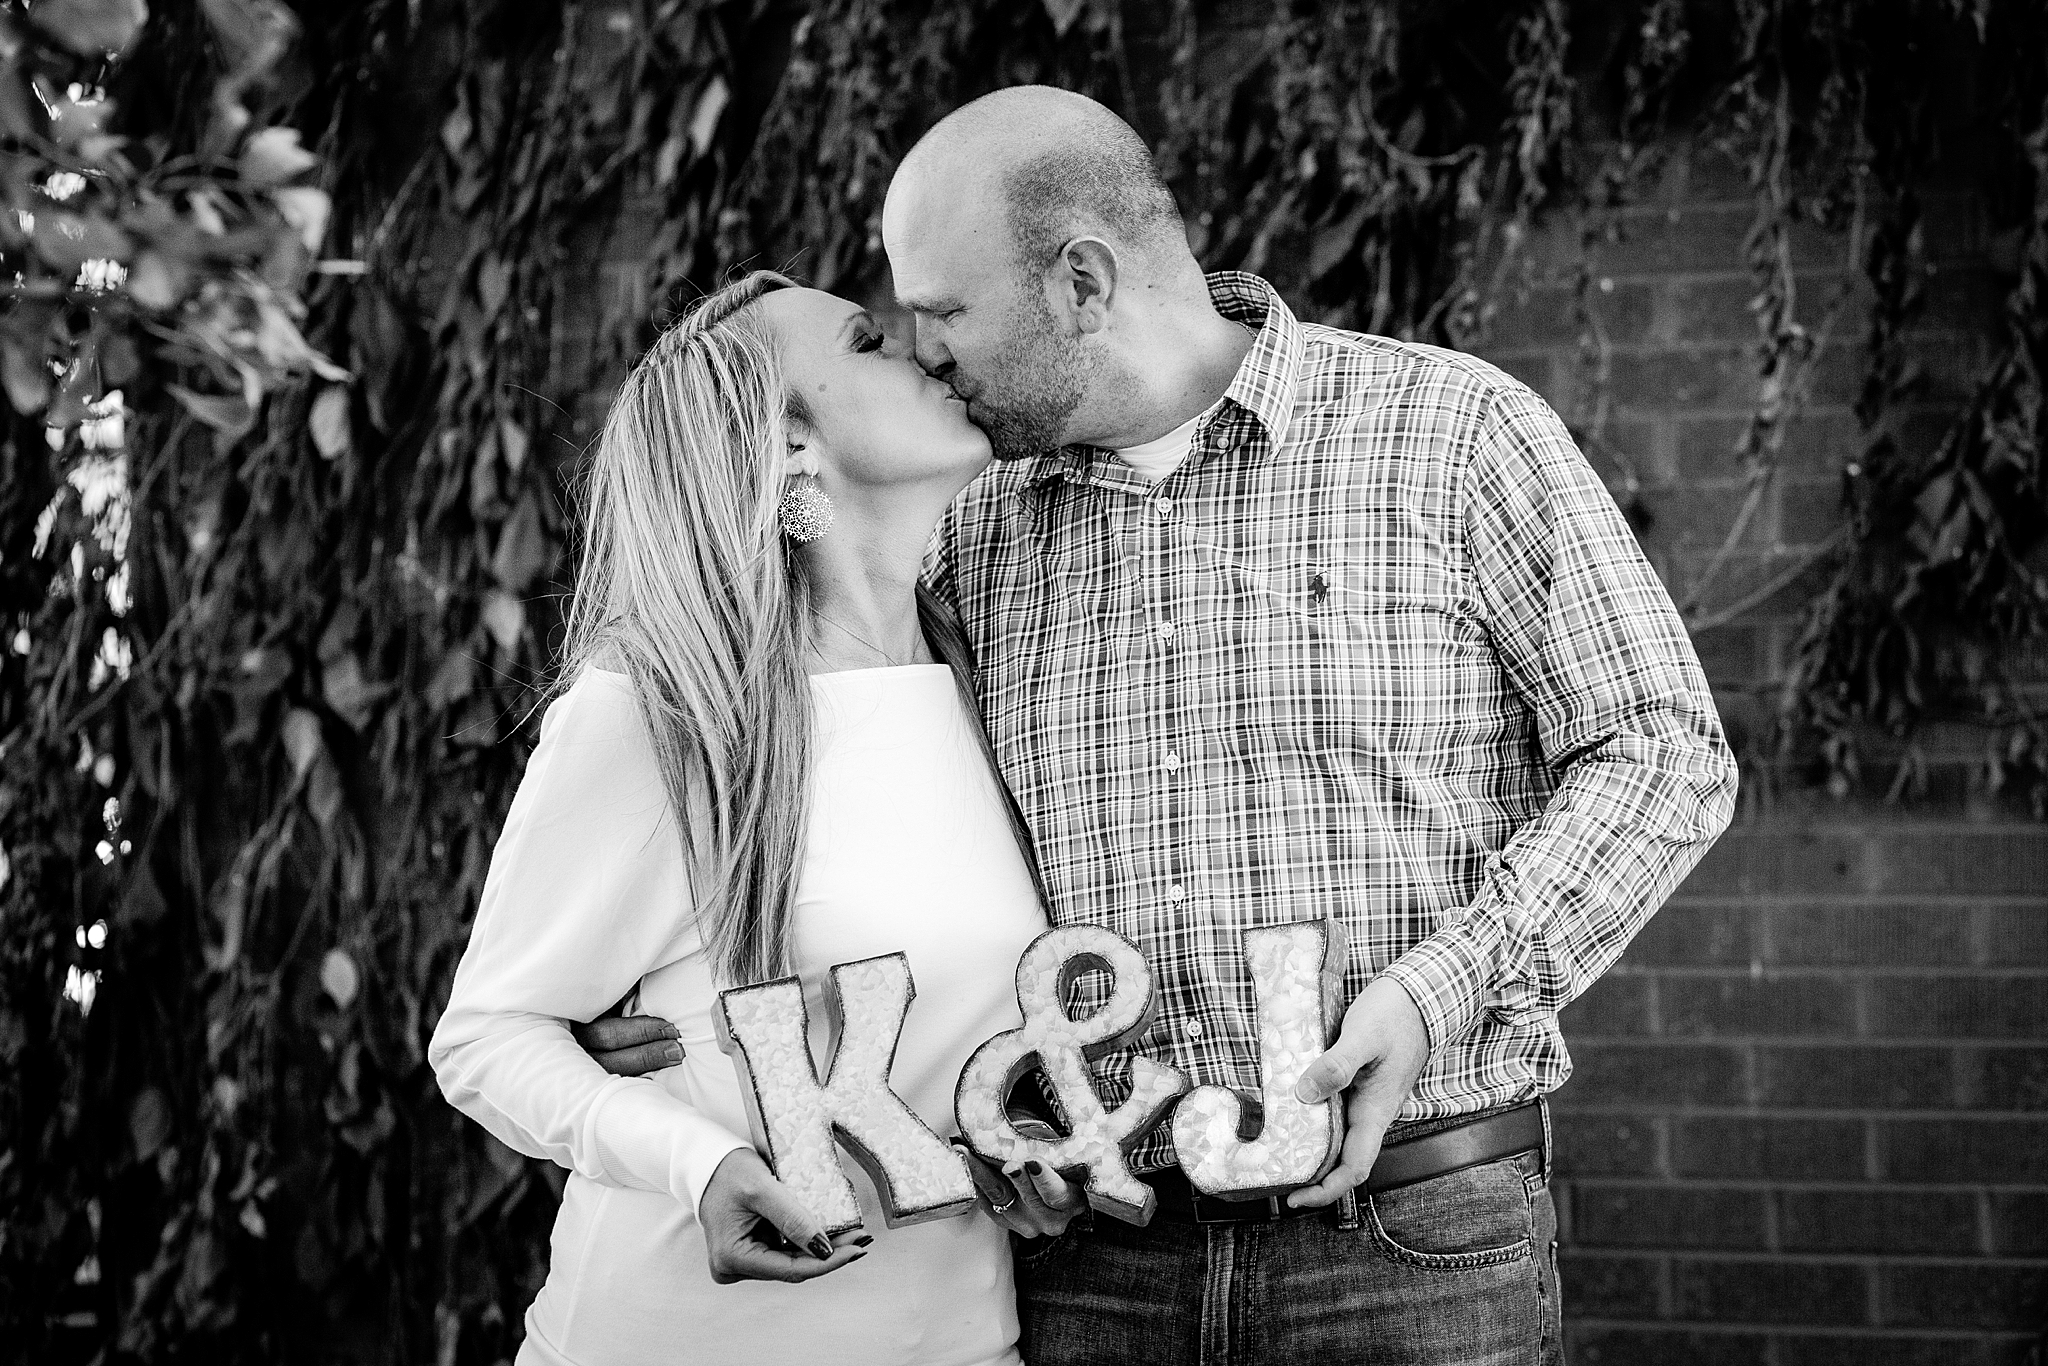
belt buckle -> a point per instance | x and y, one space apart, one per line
1228 1210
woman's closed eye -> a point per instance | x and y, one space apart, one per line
869 341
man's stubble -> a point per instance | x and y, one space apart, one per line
1034 387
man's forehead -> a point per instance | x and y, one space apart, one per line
940 243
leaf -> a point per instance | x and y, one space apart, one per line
120 362
453 680
323 792
710 105
74 122
21 114
352 695
306 209
512 442
158 282
301 738
505 619
143 902
1335 242
457 127
494 284
340 978
524 550
90 28
273 156
1063 14
27 378
223 413
328 422
253 34
149 1123
68 240
79 388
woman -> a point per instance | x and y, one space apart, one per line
760 766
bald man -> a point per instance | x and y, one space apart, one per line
1278 622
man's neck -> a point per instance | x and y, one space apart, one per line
1189 363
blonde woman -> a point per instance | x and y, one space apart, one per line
760 763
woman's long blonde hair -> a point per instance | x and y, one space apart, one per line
688 585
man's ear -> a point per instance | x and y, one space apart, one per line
1084 283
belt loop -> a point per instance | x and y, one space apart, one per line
1543 1105
1273 1207
1347 1211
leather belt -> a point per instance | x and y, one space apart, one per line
1488 1139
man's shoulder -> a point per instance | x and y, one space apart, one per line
996 486
1338 364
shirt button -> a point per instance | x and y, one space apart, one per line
1176 892
1193 1028
1164 506
1166 630
1173 763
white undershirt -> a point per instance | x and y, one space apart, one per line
1158 458
908 848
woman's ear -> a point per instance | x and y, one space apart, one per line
801 458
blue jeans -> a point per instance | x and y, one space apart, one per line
1458 1270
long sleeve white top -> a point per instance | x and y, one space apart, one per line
908 849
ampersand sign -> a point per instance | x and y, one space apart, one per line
1059 1046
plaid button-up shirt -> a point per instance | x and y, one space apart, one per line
1381 650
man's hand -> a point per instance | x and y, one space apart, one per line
1379 1053
629 1046
751 1220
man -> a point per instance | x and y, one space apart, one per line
1276 622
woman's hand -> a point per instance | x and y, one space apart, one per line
747 1215
1031 1200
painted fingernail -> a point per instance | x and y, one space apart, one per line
674 1052
1034 1169
821 1247
864 1240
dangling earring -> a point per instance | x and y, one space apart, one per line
805 511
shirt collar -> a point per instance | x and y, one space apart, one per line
1263 388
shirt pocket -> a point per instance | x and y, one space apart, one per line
1373 659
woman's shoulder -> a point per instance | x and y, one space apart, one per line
594 730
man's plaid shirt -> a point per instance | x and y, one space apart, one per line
1382 650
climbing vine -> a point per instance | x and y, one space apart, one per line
304 313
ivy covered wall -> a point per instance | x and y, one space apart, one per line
276 613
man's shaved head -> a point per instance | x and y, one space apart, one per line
1062 166
1031 238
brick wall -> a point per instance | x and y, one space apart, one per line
1809 1121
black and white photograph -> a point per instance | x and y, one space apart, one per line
1024 682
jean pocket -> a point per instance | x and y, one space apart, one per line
1459 1221
1031 1253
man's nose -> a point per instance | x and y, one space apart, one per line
931 353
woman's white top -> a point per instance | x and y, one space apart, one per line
909 849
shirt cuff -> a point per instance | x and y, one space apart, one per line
645 1137
1448 976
